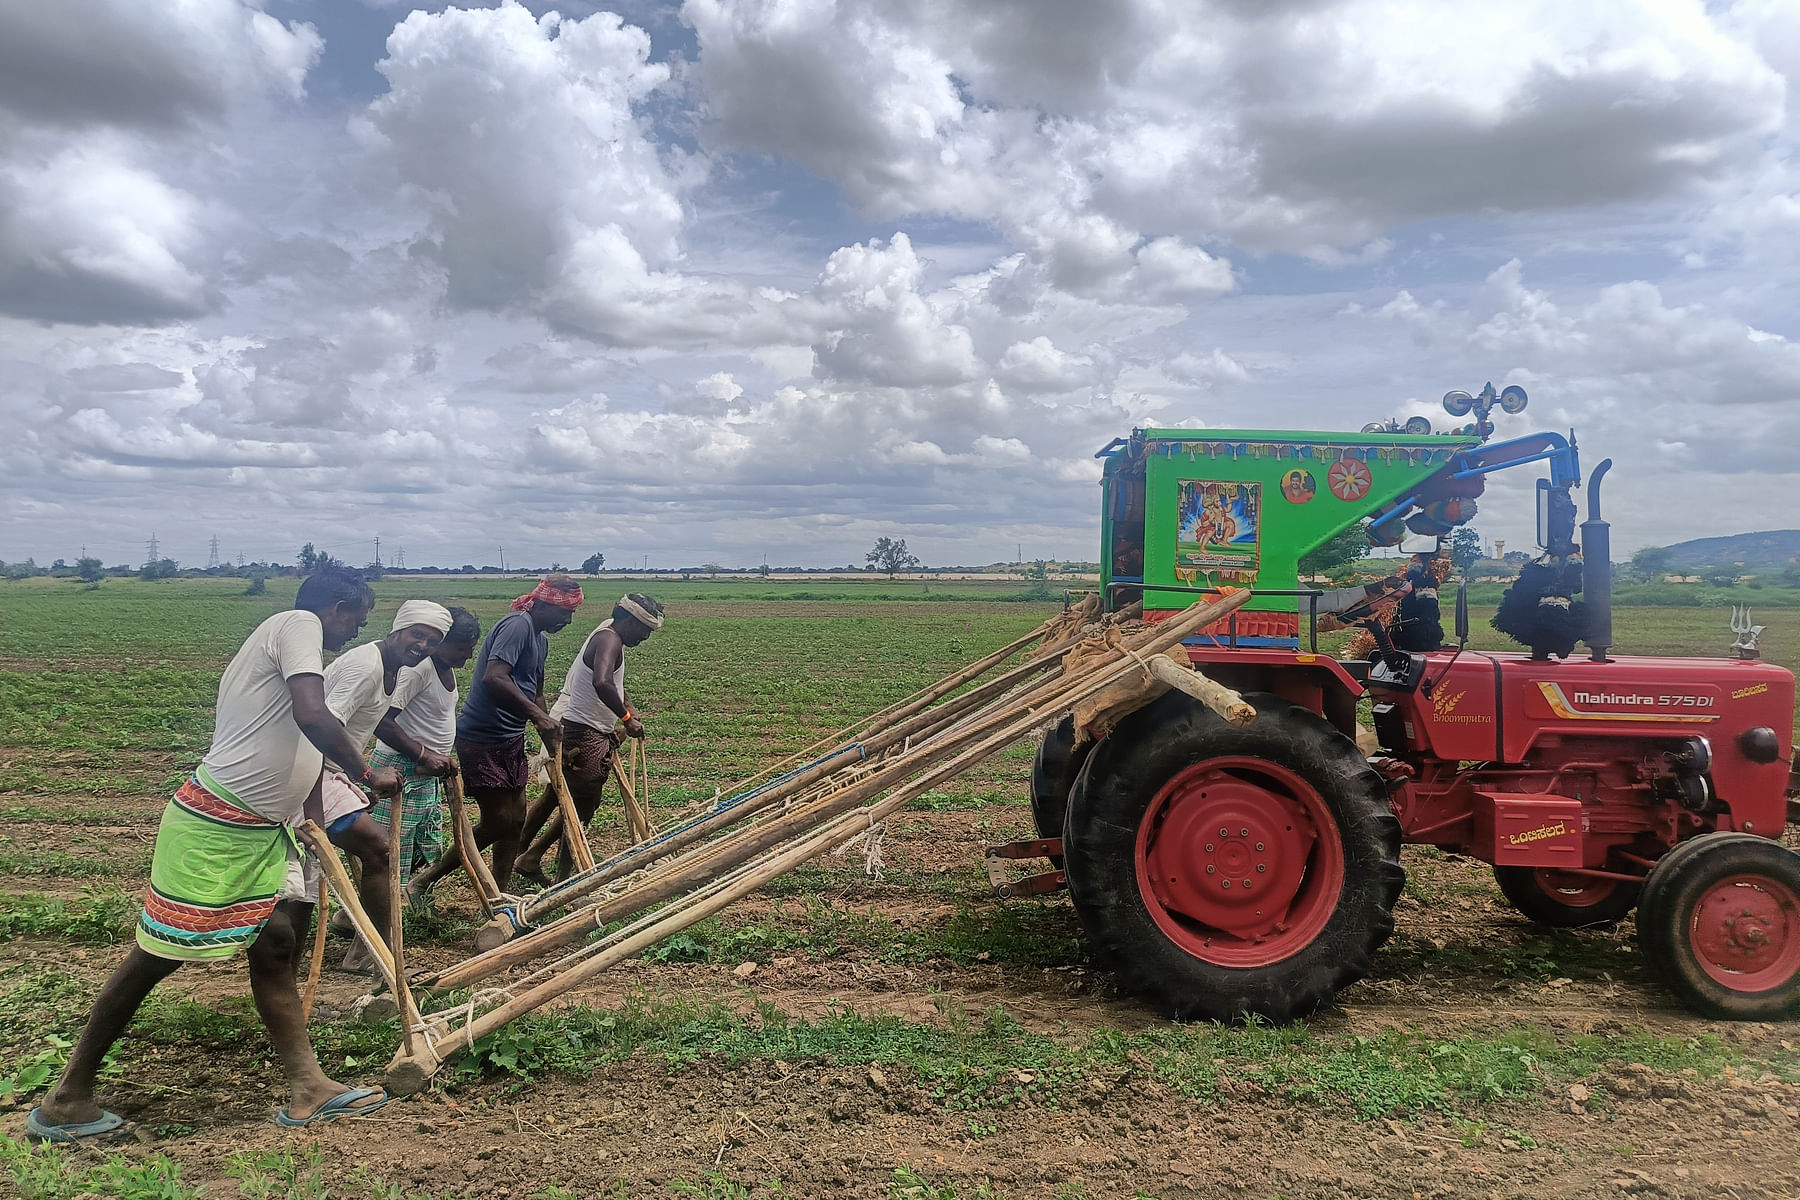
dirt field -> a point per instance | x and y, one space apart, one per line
844 1035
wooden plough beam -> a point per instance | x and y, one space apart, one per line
684 874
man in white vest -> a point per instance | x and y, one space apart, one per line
595 711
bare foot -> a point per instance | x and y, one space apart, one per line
357 959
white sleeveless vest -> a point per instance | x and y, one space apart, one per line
579 702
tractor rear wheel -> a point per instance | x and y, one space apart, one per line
1053 774
1224 872
1720 923
1565 900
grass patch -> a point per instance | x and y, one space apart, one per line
970 1065
103 919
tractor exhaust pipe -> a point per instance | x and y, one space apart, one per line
1596 569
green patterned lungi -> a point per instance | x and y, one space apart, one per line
421 838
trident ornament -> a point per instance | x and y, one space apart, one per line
1745 645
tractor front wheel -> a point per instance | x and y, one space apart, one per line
1720 923
1223 872
1565 900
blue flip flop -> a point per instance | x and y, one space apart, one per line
341 1105
109 1125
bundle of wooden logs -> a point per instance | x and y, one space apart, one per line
827 795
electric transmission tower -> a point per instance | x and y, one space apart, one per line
212 552
400 557
154 551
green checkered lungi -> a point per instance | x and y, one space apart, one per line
421 838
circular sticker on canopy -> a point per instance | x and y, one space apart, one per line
1349 480
1298 486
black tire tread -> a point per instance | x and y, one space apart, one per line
1122 935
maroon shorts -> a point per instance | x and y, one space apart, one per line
493 765
587 753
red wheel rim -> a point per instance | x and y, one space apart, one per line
1574 891
1746 933
1239 862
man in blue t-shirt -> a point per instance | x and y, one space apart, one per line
490 733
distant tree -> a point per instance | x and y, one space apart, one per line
1465 548
89 569
1039 574
592 563
1340 549
557 567
59 565
1651 563
892 556
20 570
468 568
162 568
1721 577
763 570
259 583
312 559
373 571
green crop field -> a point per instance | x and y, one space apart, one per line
979 1026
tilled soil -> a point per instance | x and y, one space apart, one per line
1461 963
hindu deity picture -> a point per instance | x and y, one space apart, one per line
1218 530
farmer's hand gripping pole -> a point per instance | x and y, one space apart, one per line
729 882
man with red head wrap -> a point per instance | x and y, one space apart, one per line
490 732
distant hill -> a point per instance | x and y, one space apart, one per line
1772 548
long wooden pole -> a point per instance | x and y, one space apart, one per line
473 864
565 803
749 880
626 775
919 725
684 872
397 906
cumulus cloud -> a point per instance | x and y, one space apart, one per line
1286 133
806 273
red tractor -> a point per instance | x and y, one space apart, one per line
1222 871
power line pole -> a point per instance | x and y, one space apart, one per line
503 559
240 558
154 551
378 549
212 552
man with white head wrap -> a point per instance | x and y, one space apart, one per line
359 690
417 738
594 709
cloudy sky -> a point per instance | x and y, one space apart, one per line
723 279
